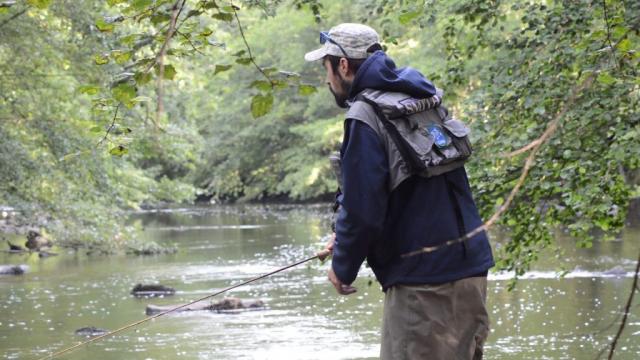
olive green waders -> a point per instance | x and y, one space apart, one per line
442 322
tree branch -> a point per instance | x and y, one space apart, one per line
175 13
626 310
523 149
113 124
529 163
253 61
190 42
534 146
13 17
608 26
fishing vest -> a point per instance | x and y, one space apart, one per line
419 135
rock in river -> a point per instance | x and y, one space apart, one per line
152 290
13 269
91 331
36 241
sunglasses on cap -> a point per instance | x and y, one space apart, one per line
324 37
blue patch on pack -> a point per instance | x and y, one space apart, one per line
440 137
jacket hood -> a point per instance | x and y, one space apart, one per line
379 72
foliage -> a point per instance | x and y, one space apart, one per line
581 179
53 163
148 100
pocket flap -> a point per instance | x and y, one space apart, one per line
457 128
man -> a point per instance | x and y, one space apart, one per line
434 304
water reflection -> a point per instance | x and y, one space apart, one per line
546 317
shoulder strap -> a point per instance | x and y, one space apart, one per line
414 164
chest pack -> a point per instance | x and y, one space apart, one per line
420 136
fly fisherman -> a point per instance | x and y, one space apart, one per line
404 194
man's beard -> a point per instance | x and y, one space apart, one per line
341 99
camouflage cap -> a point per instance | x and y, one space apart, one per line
354 39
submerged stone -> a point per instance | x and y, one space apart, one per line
151 290
13 269
91 331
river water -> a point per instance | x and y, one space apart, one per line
545 317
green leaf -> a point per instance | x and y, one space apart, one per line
169 72
210 5
129 40
206 32
230 8
96 129
139 99
40 4
306 90
193 13
124 93
160 18
141 4
115 2
606 79
101 59
103 26
624 45
406 18
244 61
142 77
221 68
89 89
121 57
119 150
228 17
261 85
261 105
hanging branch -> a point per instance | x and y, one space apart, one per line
176 10
529 162
626 310
193 46
608 26
13 17
534 147
251 58
523 149
113 124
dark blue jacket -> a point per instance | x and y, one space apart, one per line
378 225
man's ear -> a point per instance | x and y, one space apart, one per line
343 67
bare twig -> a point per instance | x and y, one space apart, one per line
175 13
113 124
190 42
13 17
529 162
523 149
251 58
626 311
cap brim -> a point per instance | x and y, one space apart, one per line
316 54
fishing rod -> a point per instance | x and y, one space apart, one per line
320 255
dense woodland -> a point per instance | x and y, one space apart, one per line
109 106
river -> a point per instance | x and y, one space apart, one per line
545 317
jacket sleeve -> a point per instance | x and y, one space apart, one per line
364 198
